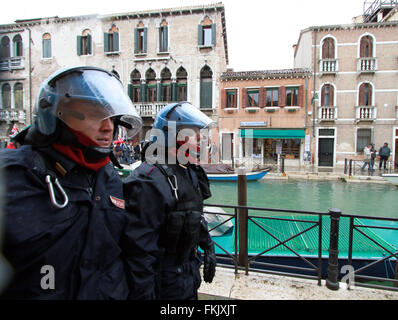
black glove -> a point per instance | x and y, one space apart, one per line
209 268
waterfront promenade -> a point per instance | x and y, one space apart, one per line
258 286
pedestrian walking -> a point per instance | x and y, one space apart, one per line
65 224
367 154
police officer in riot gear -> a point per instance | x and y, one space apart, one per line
65 223
165 196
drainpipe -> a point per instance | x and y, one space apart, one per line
30 76
313 99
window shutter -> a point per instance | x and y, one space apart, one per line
79 45
223 98
116 41
261 94
166 39
331 95
300 98
130 91
145 40
106 42
361 95
200 35
135 40
159 92
282 96
143 92
323 95
89 44
173 91
244 98
213 34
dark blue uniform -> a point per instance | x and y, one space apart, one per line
159 272
84 242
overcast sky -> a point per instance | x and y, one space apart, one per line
260 33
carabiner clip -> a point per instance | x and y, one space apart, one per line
175 188
52 195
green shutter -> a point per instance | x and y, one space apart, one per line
159 92
145 40
130 91
165 39
106 42
206 95
116 41
173 91
135 40
143 92
89 46
79 45
213 34
200 35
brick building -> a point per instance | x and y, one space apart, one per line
270 107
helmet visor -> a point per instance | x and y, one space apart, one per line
94 95
186 115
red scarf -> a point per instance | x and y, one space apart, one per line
76 154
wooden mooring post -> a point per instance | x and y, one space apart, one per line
242 220
332 281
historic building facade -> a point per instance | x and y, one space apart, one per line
161 56
354 84
265 115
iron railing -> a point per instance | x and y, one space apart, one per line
354 167
310 268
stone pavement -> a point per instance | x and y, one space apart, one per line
258 286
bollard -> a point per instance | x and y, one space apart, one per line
350 168
345 165
333 264
242 219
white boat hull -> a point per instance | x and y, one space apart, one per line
391 177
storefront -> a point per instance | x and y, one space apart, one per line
267 144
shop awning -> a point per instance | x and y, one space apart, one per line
272 133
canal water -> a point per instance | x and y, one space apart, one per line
365 199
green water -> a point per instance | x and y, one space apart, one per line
364 199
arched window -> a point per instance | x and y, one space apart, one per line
206 87
111 40
84 43
327 96
6 96
18 95
135 86
5 48
165 77
366 47
46 44
151 92
365 94
140 38
328 48
17 45
163 37
206 32
182 79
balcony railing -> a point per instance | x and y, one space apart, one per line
328 66
366 113
13 115
327 113
13 63
367 65
149 109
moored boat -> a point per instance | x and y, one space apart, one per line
250 176
391 177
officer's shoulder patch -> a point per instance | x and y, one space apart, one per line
117 202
